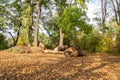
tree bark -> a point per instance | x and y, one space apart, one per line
36 43
104 12
61 38
116 10
12 38
18 34
15 39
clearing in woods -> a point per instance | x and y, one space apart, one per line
15 66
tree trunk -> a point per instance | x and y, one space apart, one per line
15 40
30 27
12 38
118 12
116 7
104 10
61 38
36 44
18 34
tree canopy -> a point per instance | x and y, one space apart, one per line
59 23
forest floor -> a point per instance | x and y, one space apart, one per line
39 66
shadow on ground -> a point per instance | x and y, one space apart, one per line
62 68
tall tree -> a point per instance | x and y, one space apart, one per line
11 12
27 23
39 5
61 5
104 12
116 7
37 25
73 20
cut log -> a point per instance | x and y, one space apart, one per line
73 52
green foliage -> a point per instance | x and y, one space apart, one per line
49 41
25 37
11 13
53 42
22 40
70 18
76 43
43 38
61 5
118 42
53 33
96 42
73 18
2 22
90 42
107 43
27 21
3 42
71 21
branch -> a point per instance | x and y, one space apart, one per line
116 16
11 36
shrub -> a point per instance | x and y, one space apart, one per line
22 40
96 43
3 42
118 42
90 42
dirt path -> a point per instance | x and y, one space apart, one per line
38 66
